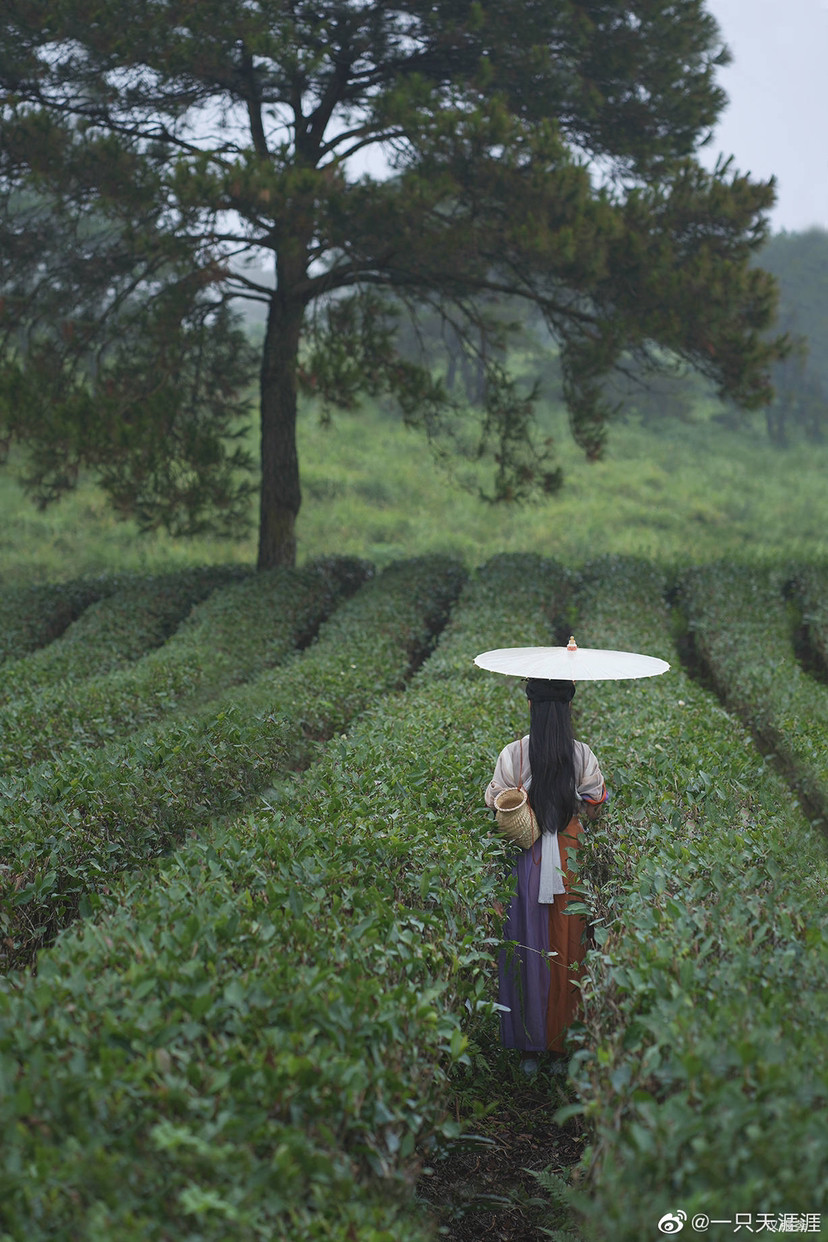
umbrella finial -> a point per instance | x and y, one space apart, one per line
572 645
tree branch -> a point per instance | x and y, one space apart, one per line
248 297
267 290
102 117
332 95
368 141
254 105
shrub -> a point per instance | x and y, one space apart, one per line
252 1041
743 635
31 617
74 824
811 592
115 630
701 1073
239 631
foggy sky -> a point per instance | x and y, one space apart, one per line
778 112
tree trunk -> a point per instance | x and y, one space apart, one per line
280 495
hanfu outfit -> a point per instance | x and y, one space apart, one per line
539 966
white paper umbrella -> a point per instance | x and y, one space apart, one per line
570 663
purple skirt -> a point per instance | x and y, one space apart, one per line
538 969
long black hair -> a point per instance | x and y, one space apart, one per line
552 793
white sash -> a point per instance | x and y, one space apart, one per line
551 872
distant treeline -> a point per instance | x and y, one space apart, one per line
799 261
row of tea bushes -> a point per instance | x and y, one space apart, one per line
115 630
811 588
32 616
252 1042
702 1075
239 631
68 829
742 632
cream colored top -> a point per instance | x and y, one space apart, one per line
589 786
589 783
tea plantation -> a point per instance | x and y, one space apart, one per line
249 894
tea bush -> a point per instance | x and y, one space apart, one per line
701 1075
32 616
249 1037
115 631
811 590
239 631
250 1041
73 824
742 631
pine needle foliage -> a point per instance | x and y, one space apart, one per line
159 162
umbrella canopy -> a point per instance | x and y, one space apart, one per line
570 663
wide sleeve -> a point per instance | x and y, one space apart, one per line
506 775
589 780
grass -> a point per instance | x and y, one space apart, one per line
687 492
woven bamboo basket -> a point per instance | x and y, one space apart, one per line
514 817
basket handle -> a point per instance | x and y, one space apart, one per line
520 785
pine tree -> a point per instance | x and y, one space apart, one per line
545 150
